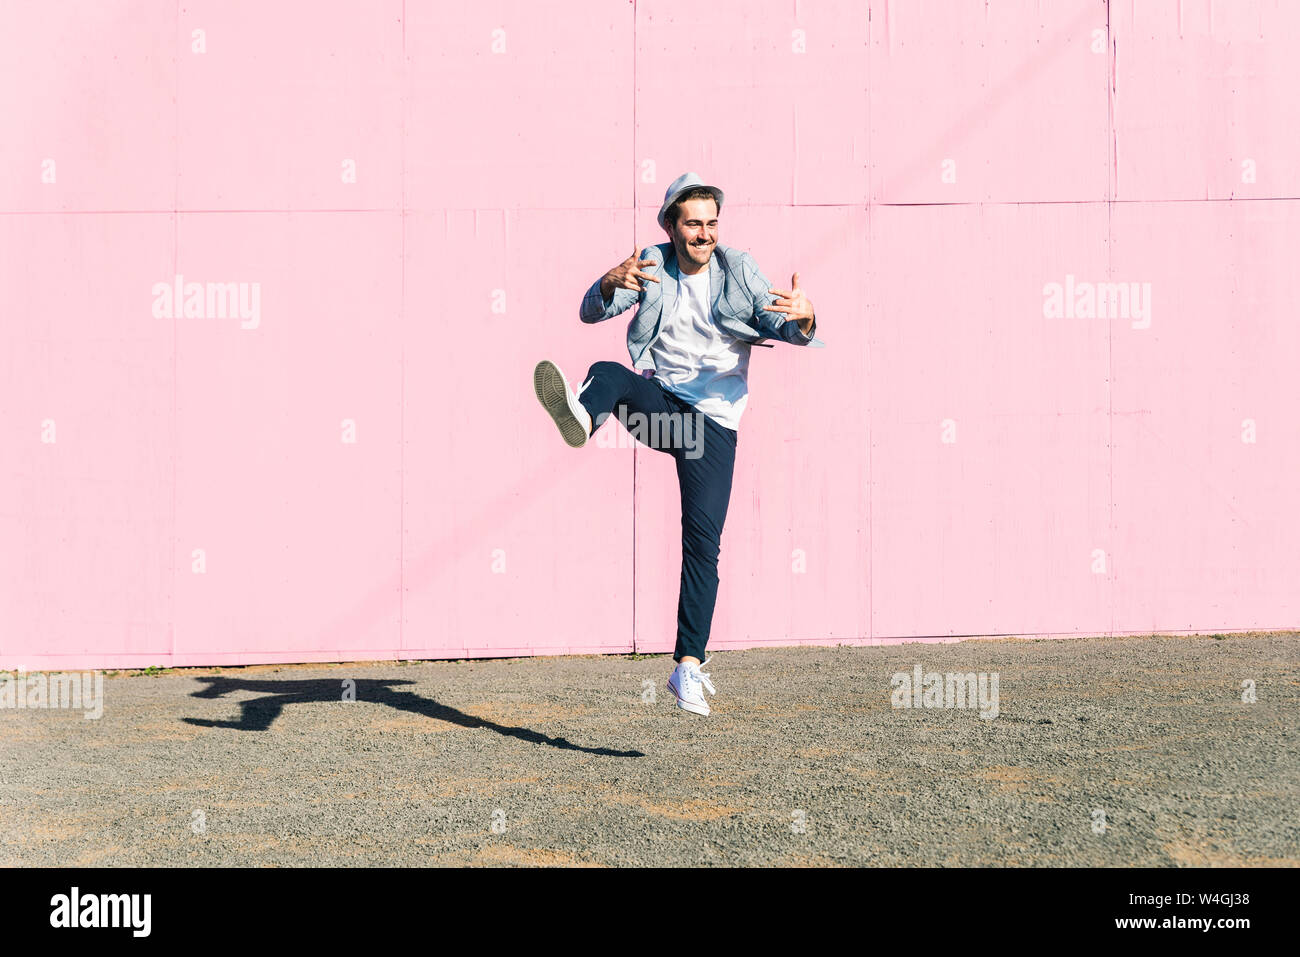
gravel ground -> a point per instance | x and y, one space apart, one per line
561 761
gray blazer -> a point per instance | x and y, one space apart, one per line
739 294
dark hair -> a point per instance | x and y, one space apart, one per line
699 192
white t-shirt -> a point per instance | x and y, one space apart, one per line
697 361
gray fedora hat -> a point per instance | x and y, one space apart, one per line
682 184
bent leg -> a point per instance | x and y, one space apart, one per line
613 388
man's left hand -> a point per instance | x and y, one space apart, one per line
795 304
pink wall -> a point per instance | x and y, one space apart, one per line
956 462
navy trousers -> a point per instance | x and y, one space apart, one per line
706 457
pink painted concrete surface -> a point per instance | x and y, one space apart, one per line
422 191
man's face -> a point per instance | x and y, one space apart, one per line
696 231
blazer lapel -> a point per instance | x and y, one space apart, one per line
716 282
669 294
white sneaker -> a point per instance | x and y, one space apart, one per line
687 683
562 403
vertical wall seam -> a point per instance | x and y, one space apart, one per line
401 350
634 241
176 216
1113 176
869 631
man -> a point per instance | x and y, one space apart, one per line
702 306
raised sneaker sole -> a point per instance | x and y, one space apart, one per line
553 393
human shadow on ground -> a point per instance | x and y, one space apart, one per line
258 714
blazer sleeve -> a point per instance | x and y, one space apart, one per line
774 325
594 308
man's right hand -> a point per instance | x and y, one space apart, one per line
627 275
